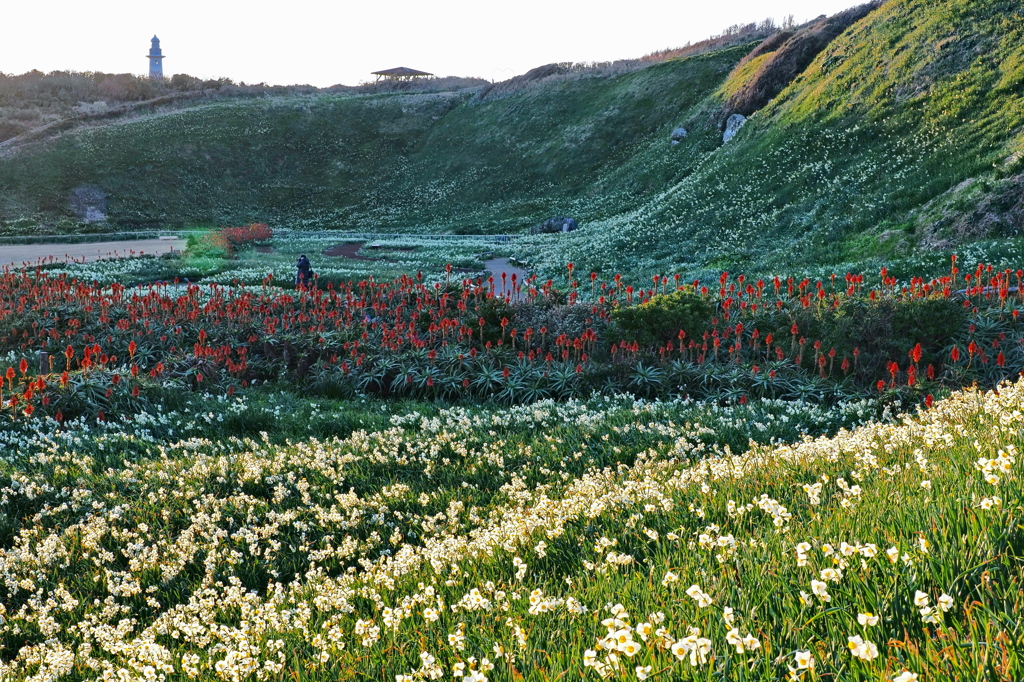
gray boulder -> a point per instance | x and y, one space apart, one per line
89 204
553 225
732 126
678 135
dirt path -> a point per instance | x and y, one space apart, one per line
499 266
496 266
349 250
33 254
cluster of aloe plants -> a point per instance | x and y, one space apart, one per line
104 349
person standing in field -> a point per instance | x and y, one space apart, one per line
304 276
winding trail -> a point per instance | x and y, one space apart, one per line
501 266
348 250
495 266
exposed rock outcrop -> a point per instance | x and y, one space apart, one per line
89 204
732 126
787 54
553 225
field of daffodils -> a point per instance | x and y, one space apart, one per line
615 539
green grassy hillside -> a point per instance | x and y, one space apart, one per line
410 161
865 154
906 131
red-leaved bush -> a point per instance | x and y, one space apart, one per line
248 234
223 243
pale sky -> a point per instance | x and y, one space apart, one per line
324 43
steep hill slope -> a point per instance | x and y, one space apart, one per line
905 131
889 141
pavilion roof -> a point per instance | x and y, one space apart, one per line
401 71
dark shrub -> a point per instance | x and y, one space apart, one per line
210 245
883 330
557 318
660 319
492 311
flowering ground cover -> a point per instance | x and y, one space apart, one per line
614 538
435 475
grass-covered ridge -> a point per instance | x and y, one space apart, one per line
864 154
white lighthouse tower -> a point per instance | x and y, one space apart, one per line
156 60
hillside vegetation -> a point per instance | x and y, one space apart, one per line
889 140
444 161
905 130
526 544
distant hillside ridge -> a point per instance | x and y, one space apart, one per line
376 162
903 136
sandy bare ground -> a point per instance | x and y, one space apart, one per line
33 254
